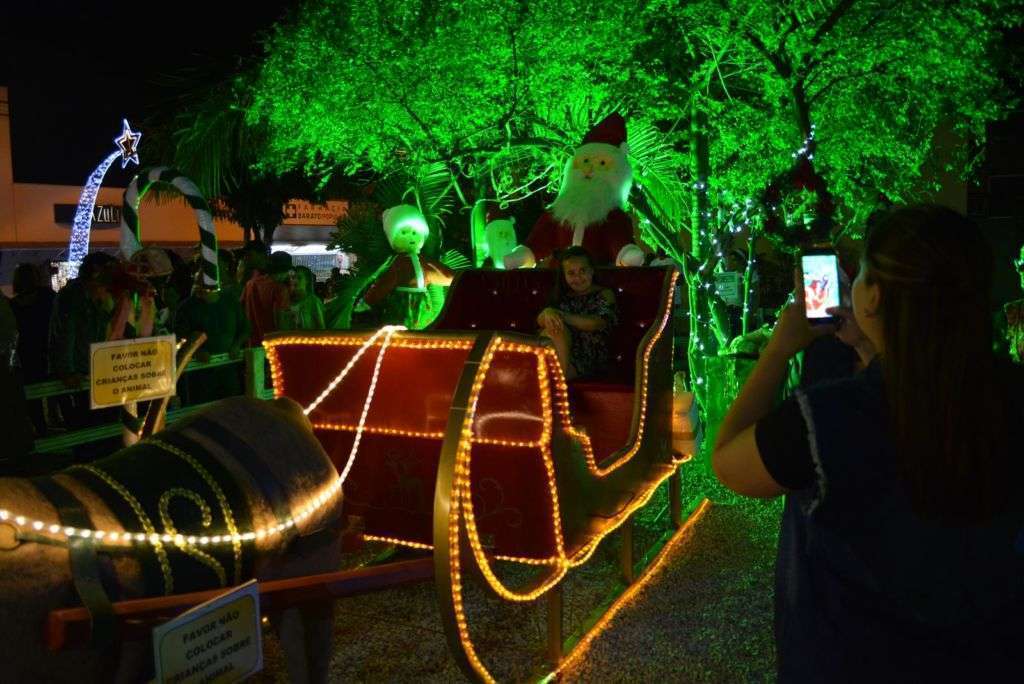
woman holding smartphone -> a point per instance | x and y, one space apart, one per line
901 552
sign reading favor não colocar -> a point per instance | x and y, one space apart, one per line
131 370
218 641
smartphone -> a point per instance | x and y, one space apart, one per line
821 283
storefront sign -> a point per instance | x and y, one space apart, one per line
217 641
302 213
131 370
103 215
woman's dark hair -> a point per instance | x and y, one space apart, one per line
946 405
563 255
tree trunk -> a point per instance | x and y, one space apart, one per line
268 236
700 163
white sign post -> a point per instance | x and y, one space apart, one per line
217 641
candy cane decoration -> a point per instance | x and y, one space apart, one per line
140 185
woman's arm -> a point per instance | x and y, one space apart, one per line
590 323
581 322
736 460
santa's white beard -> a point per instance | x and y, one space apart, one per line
583 202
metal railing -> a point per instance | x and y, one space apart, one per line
253 359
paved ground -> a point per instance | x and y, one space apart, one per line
704 617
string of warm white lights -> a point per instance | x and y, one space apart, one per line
316 503
386 330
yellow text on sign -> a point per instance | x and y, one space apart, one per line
217 641
131 370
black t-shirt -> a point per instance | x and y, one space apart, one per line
782 440
865 588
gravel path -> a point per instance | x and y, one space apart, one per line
704 617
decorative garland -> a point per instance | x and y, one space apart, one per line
140 185
801 176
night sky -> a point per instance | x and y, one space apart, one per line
75 69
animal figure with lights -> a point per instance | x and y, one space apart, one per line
208 503
588 211
405 290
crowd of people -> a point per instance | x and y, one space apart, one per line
46 335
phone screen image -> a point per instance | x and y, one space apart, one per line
821 284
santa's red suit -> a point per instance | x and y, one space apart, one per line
607 241
597 179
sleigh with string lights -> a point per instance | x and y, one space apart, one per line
467 439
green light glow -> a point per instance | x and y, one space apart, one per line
494 95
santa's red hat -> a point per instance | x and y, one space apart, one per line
611 130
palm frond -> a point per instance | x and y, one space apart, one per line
433 189
456 260
661 194
359 231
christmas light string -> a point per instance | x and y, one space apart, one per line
81 226
734 226
316 502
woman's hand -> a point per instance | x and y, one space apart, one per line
850 333
794 332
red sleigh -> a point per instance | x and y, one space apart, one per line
471 438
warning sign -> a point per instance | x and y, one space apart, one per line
217 641
131 370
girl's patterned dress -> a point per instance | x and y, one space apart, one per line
589 352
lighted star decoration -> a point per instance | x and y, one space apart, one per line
128 143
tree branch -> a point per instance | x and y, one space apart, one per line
841 8
782 67
876 69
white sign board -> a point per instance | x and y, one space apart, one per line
217 641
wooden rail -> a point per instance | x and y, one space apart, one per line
71 627
254 387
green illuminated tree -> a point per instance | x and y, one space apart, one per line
498 92
877 78
721 93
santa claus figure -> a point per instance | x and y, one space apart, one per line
401 290
588 210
